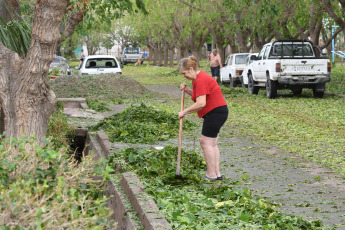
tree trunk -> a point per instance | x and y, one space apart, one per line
155 56
179 56
26 99
166 57
171 57
184 52
149 59
160 54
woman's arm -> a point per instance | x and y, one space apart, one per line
188 91
198 105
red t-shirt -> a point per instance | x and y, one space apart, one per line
204 84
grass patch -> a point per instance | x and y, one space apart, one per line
190 204
313 128
159 75
337 84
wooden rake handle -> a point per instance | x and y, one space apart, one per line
178 167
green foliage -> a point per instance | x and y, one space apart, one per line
58 129
141 124
16 36
43 188
337 84
97 105
190 204
55 71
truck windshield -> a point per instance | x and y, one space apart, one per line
130 50
292 50
241 59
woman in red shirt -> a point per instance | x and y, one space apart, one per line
210 105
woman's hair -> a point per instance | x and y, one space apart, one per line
186 63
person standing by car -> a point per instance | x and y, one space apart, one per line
215 64
210 105
82 56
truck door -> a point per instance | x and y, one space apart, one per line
264 65
257 65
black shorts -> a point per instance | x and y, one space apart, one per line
214 120
215 71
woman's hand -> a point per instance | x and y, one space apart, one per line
181 114
183 86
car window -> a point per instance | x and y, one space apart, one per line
241 59
249 60
101 63
261 54
267 51
56 61
131 50
290 50
230 62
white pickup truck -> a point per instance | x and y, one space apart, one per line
289 64
131 55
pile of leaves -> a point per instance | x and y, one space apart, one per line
103 87
44 188
141 124
190 204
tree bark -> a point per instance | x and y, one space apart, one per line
26 99
171 57
166 55
160 54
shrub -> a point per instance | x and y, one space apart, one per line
42 187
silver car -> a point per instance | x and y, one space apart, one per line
98 64
62 64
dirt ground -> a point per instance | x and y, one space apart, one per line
302 188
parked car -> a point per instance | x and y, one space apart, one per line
62 64
131 55
245 70
289 64
98 64
232 69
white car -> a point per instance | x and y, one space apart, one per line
245 70
98 64
232 69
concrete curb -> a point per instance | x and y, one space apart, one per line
144 205
73 103
129 190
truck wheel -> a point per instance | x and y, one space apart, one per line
232 83
251 88
319 90
271 88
